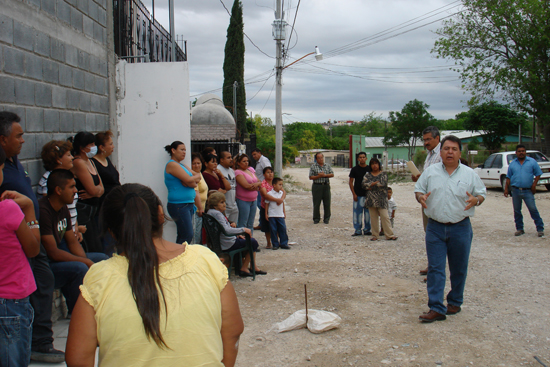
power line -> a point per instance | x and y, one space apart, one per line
259 49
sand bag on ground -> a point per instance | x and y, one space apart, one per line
318 321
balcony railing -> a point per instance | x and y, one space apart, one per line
139 37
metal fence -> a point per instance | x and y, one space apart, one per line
139 37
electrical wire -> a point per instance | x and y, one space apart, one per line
268 97
259 49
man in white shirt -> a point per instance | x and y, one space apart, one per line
226 162
448 192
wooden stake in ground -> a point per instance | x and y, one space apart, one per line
305 290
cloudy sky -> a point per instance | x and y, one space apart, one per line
373 59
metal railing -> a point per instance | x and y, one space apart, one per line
139 37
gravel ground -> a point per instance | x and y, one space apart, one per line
376 289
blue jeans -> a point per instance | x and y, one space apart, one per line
182 214
452 241
279 236
527 196
69 276
16 316
197 232
361 213
247 212
259 200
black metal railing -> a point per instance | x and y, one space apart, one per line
139 37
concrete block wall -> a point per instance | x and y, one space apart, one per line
54 70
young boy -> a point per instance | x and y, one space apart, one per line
392 206
276 214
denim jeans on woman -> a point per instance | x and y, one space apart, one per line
247 212
16 317
182 214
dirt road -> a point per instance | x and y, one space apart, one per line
376 289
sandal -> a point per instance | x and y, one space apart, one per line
374 239
269 247
392 238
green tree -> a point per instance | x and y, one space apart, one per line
502 49
372 125
496 121
407 126
296 131
233 66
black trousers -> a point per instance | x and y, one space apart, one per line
41 300
321 193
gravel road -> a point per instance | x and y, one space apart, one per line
376 289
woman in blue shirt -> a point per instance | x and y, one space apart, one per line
180 181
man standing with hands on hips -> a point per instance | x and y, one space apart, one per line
320 173
448 192
523 175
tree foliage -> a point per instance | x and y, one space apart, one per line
233 65
306 135
406 126
496 121
502 50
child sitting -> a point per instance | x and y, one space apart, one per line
19 239
216 206
276 214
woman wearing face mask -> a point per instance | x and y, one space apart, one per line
90 188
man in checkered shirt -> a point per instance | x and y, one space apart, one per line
320 174
431 138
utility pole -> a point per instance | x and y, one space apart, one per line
279 35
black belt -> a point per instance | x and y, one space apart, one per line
448 223
321 183
520 188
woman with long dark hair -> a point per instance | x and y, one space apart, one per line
90 188
376 184
157 304
180 181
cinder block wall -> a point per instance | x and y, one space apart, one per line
54 70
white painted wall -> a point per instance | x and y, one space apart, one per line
152 112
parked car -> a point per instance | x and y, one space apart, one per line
493 171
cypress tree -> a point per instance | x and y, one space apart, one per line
233 66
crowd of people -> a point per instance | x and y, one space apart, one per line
139 296
101 243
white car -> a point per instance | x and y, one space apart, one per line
493 171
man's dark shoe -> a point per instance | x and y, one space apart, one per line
315 222
519 233
432 316
275 248
356 234
452 310
47 354
325 221
368 233
424 271
285 247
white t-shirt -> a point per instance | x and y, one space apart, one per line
275 211
391 207
263 162
229 175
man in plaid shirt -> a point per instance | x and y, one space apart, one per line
320 174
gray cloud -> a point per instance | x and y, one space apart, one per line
347 86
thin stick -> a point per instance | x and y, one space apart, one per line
305 290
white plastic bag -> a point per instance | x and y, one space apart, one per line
318 321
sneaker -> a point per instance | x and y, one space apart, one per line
47 354
520 232
540 234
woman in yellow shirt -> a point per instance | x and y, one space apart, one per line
158 303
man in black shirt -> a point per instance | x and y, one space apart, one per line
68 261
359 195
